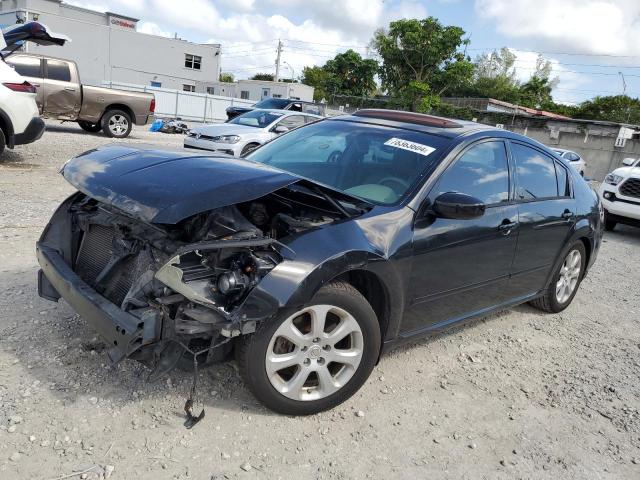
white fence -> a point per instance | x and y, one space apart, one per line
197 107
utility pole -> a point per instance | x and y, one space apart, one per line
276 77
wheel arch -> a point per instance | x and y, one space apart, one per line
282 293
119 106
7 128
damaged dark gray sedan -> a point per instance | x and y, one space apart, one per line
321 250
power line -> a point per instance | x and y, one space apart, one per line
556 53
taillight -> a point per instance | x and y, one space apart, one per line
152 107
25 87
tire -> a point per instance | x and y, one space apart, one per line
116 124
248 148
551 301
348 311
90 127
3 141
609 224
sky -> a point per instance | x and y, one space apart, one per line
592 44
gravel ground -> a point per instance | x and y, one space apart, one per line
520 394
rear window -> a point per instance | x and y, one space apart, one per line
27 67
57 70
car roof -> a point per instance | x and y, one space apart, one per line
420 122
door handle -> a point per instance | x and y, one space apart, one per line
70 89
507 226
567 214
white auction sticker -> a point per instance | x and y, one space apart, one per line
411 146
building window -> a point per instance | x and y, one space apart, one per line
211 90
188 88
277 95
192 61
156 84
244 94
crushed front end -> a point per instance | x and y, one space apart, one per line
154 291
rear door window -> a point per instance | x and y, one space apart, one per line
535 173
27 67
564 189
58 70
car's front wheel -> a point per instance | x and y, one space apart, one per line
89 127
565 282
315 358
609 224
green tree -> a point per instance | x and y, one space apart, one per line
494 76
316 77
536 93
263 76
346 74
421 60
350 74
226 77
618 108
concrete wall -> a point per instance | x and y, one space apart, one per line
593 141
107 52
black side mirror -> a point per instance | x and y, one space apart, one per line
458 206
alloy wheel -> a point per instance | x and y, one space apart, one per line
569 276
118 125
314 353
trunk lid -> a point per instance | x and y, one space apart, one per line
14 36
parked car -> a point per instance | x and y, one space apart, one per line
620 193
277 104
61 95
20 121
320 251
575 160
246 132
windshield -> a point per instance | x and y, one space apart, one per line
378 164
257 118
276 103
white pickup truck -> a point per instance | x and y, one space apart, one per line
620 193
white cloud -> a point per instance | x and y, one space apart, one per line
568 81
152 29
312 30
580 26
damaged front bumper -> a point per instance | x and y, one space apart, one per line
125 332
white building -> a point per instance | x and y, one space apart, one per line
260 89
108 48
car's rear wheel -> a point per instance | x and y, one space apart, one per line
565 282
90 127
315 358
116 124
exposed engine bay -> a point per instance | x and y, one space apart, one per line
192 275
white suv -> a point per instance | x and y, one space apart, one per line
20 120
620 193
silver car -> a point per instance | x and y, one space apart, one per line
575 160
246 132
